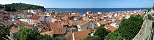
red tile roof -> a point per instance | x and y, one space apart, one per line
36 21
110 28
81 34
47 33
71 22
65 22
65 18
91 15
82 22
36 17
103 22
57 28
20 23
13 30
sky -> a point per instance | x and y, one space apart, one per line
86 3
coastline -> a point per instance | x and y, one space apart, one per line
94 10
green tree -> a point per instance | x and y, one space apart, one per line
9 8
23 6
101 32
27 34
58 37
44 37
31 34
92 38
1 6
131 26
114 36
128 29
4 32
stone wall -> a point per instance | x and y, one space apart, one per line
146 31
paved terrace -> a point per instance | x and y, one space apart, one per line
147 30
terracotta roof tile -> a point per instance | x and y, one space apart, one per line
57 28
91 15
82 22
65 22
71 22
36 21
8 22
65 17
41 15
14 30
47 33
36 17
103 22
81 34
20 23
110 28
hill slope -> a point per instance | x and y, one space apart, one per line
22 6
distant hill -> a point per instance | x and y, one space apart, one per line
22 6
1 6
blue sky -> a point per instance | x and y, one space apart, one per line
86 3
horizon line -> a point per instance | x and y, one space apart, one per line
151 7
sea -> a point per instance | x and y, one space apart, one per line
94 10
